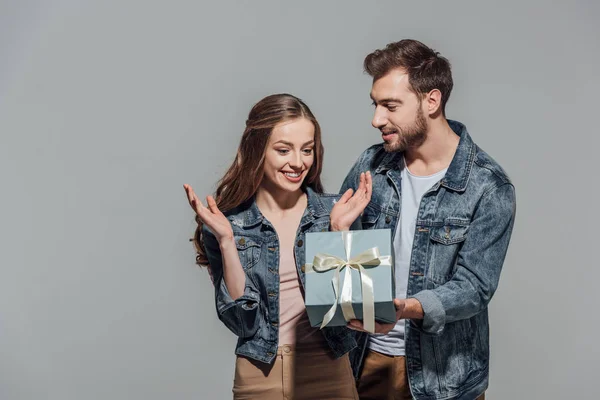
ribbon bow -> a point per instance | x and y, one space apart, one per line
324 262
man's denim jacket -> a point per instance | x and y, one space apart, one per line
254 317
463 228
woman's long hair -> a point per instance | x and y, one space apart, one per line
243 178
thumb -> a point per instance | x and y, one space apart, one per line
398 304
346 196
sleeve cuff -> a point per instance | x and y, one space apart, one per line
248 301
434 315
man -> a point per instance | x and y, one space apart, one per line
451 208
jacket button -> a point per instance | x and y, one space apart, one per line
300 243
388 220
242 241
303 268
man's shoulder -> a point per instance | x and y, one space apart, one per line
328 200
371 158
488 169
321 203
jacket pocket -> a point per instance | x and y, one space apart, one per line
248 250
370 217
446 241
453 231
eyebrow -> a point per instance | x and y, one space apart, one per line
386 100
292 145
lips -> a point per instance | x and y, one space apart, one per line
293 176
388 134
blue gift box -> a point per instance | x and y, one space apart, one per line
330 249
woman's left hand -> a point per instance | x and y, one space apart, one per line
349 207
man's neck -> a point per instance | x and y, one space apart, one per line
436 153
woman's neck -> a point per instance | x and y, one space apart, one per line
279 203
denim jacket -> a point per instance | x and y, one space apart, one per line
254 317
462 233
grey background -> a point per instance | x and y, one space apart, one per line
108 107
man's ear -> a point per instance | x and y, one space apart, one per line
433 102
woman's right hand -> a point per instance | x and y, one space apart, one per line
211 216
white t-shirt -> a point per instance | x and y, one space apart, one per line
413 189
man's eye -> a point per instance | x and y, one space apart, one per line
391 108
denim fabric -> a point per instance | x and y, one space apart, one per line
464 225
254 317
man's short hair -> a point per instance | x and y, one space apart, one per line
426 69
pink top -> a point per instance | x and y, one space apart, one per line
294 326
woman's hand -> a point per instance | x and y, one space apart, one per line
211 216
349 207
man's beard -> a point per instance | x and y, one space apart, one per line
411 136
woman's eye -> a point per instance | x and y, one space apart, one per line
283 151
308 151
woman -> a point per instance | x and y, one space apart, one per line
252 234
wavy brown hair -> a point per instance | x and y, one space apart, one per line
244 176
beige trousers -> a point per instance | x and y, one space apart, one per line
309 372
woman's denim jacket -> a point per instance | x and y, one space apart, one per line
254 317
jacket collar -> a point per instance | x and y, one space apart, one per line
248 214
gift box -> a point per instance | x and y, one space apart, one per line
350 275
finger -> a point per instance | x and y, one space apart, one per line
398 304
188 189
383 328
346 196
361 185
202 214
188 192
191 194
356 325
367 180
212 205
359 194
199 206
193 200
369 184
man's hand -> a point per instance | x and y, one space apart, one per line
405 309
